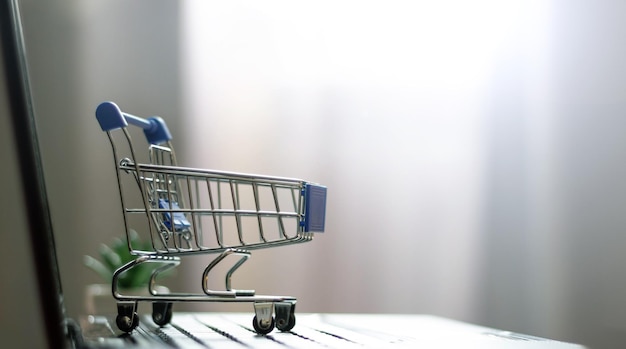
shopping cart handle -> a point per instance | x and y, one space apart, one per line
314 207
111 118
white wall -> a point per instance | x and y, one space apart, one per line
355 97
472 151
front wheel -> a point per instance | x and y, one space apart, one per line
262 329
127 323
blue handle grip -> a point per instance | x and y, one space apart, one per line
111 118
314 208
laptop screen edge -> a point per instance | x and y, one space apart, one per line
30 168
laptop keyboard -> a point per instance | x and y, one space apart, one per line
204 330
234 330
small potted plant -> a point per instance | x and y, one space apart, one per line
133 281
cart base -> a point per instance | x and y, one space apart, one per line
263 321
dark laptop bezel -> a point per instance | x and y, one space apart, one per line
22 119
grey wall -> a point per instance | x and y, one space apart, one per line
81 53
554 228
473 152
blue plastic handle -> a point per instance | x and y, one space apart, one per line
314 208
111 118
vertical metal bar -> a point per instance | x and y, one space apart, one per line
293 198
171 212
192 214
215 223
172 154
198 229
142 190
257 204
235 210
300 208
281 226
219 206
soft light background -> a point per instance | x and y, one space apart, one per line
384 104
473 150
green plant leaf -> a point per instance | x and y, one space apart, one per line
116 254
98 267
109 257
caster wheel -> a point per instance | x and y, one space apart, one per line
125 323
262 330
286 326
161 313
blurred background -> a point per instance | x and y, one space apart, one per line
473 150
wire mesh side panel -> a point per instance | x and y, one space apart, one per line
133 199
164 201
200 211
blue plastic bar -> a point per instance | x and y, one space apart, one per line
314 208
111 118
181 223
139 122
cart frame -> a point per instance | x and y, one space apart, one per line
185 215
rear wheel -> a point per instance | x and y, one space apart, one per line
162 313
286 326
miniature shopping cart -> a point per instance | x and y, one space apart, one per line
186 211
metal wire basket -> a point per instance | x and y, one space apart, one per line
188 211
